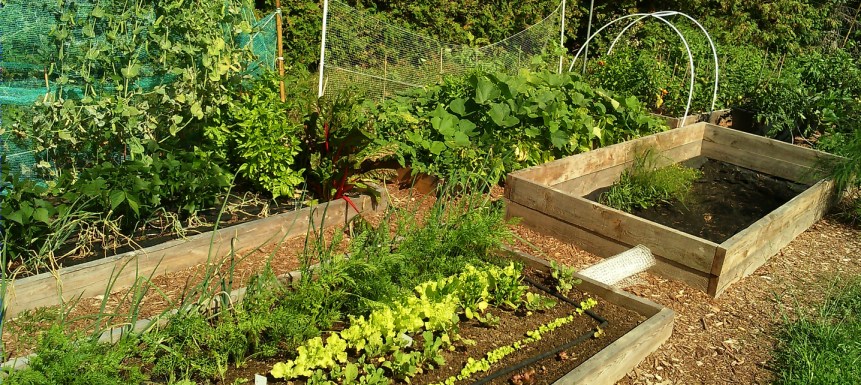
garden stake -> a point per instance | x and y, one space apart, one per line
280 58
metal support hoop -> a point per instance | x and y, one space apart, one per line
705 32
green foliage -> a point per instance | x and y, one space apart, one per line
128 98
488 124
61 360
265 142
652 64
41 217
645 184
822 348
538 302
475 23
343 141
813 92
564 277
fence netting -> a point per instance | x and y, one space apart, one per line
366 52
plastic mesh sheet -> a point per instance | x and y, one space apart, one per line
617 268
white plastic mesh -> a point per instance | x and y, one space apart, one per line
381 59
621 266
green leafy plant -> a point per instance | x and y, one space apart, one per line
344 142
266 142
488 124
538 302
564 277
61 360
645 184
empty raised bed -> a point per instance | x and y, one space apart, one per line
553 198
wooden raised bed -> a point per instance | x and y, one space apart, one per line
623 355
122 271
550 198
733 118
605 367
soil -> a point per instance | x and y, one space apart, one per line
512 327
724 201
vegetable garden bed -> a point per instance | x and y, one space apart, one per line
552 198
123 270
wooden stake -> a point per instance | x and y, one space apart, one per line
280 58
385 73
440 64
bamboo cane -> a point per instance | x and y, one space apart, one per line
280 58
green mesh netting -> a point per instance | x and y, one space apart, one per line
26 53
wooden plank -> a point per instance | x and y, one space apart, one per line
761 162
664 241
92 278
751 248
766 147
583 185
573 166
600 245
616 360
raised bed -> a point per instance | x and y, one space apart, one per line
620 357
123 270
551 198
605 367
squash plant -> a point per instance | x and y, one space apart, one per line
492 123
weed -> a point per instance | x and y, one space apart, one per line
61 360
823 348
564 277
645 184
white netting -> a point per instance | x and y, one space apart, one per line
379 58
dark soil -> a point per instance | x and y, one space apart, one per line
512 327
724 201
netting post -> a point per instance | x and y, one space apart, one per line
561 38
588 34
323 48
280 50
440 63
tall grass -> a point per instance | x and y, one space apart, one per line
823 347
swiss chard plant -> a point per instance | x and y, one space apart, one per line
344 142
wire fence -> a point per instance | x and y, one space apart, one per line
363 51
